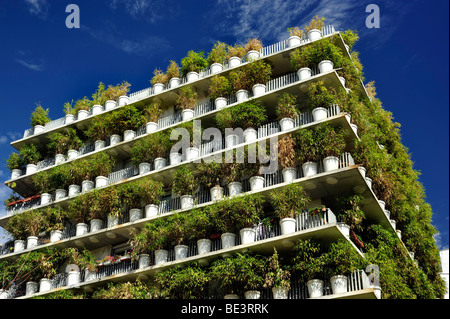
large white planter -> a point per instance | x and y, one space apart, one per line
128 135
293 41
187 114
216 67
289 174
354 128
387 213
235 188
144 168
96 109
191 153
89 275
144 261
304 73
81 229
161 256
19 245
252 55
315 288
151 210
72 154
160 163
231 140
330 163
74 190
110 104
228 240
32 241
309 169
38 129
258 89
95 225
112 221
55 235
187 201
192 76
326 66
31 288
135 214
101 181
220 103
279 293
174 82
256 183
99 144
345 229
287 124
287 225
319 113
241 95
16 173
73 278
31 168
368 181
339 284
69 118
216 193
151 127
231 296
181 251
362 170
82 114
46 198
123 100
175 158
203 246
45 285
250 135
60 194
314 35
252 294
248 235
234 61
393 223
382 204
87 186
158 88
59 159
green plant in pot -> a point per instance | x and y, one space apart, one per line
218 54
125 119
184 185
43 182
150 115
286 111
193 62
211 174
287 149
239 81
14 161
249 211
236 50
62 142
178 234
153 147
319 99
186 101
173 70
30 154
200 223
39 117
150 192
54 218
277 277
349 211
153 238
83 104
252 49
99 130
219 88
69 108
113 92
308 152
159 78
258 74
249 115
331 145
16 226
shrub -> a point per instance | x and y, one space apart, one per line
295 31
150 147
236 50
320 96
14 161
152 112
159 77
287 106
219 87
218 53
253 44
193 62
173 70
39 116
187 98
30 154
185 182
315 23
287 152
289 200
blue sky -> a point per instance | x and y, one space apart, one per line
41 60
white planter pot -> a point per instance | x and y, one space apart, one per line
158 88
112 221
135 214
72 154
95 225
248 235
187 114
368 181
216 67
38 129
144 168
69 118
342 79
187 201
203 246
216 193
89 275
55 235
151 127
181 251
330 163
252 294
99 144
293 41
45 285
387 213
191 153
110 104
220 103
144 261
289 174
74 190
31 288
362 171
339 284
326 66
96 109
59 159
82 114
32 241
228 240
304 73
287 225
319 113
46 198
235 188
101 181
231 140
81 229
393 223
15 173
175 158
252 55
250 135
287 124
258 89
19 245
234 61
256 182
314 35
231 296
31 168
242 95
161 256
309 169
114 139
151 210
315 288
345 229
160 163
279 293
382 204
399 234
128 135
192 76
174 82
60 194
354 128
123 100
73 278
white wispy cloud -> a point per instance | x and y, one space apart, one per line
38 8
32 65
150 11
